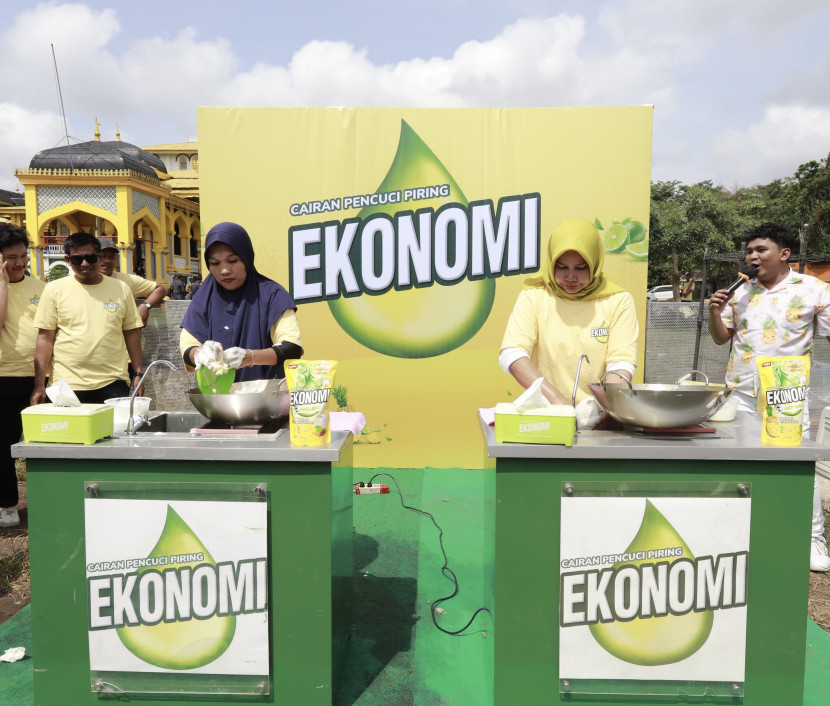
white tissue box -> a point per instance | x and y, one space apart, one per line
67 425
547 425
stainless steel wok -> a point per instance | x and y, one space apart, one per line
660 406
247 403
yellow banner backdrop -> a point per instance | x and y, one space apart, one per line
405 235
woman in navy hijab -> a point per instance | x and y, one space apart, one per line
251 317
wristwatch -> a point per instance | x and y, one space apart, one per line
147 304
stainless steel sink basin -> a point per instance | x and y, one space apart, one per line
172 423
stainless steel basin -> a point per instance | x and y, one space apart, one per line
660 406
247 403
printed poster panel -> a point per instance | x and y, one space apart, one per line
172 589
405 236
653 589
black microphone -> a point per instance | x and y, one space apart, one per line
743 278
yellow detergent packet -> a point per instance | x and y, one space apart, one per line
783 391
309 384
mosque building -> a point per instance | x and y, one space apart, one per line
145 199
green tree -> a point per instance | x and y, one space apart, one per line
58 271
803 200
684 220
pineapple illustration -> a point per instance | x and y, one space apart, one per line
796 309
341 395
755 293
773 427
744 326
769 334
748 352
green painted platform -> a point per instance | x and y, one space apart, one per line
396 655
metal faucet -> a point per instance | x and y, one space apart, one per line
578 370
130 422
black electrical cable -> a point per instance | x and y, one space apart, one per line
445 569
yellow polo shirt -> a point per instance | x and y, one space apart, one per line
554 332
18 335
89 321
139 286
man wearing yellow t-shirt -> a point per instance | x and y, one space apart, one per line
19 297
151 292
83 325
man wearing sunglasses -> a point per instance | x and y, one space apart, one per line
83 325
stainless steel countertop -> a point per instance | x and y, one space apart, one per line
183 447
737 441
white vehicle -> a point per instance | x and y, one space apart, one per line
663 293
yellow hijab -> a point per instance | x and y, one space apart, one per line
581 237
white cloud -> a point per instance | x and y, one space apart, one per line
79 36
175 73
23 133
533 62
787 136
701 63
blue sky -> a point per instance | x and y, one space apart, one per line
741 89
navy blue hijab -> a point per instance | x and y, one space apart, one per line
242 317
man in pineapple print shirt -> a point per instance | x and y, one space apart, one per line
776 314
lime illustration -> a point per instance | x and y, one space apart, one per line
636 231
182 644
603 338
418 322
639 251
665 639
615 238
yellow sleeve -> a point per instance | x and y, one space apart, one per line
140 287
522 326
186 340
131 317
46 314
286 328
623 332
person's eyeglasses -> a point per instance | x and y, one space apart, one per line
92 258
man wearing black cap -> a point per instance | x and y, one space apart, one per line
151 292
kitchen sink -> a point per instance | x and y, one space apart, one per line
172 423
191 424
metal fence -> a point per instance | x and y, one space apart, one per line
160 340
671 332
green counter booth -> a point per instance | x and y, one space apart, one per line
648 569
169 569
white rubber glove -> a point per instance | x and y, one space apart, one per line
588 413
235 356
208 354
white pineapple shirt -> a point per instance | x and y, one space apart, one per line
781 321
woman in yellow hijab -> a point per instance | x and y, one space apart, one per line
571 308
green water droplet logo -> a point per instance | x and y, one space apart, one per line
181 644
651 641
417 322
